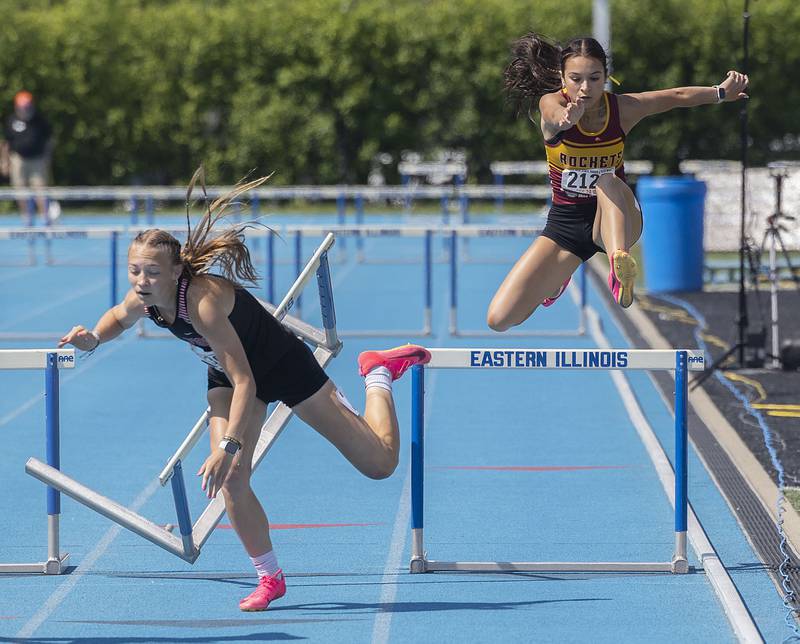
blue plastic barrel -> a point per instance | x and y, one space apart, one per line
672 239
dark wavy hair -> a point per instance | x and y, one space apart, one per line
537 64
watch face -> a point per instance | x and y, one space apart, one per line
230 447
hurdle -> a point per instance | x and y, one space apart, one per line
681 361
193 537
476 231
361 232
50 233
51 360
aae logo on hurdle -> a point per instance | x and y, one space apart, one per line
695 361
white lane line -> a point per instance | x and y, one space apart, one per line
60 594
728 595
383 620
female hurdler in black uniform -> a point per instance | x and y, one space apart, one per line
252 360
584 129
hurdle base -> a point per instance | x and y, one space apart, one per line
418 564
680 565
54 566
424 565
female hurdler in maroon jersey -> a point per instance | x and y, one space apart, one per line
584 129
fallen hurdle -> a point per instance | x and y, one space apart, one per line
192 537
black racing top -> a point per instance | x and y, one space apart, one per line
265 339
27 138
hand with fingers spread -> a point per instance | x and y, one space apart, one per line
215 471
81 338
734 85
573 112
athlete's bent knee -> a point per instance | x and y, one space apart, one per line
609 181
383 469
237 483
497 322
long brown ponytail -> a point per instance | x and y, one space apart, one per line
206 247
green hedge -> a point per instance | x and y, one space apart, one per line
313 89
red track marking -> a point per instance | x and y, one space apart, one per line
532 468
301 526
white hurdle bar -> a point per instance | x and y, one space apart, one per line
192 537
51 361
681 361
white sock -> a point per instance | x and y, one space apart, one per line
266 564
379 377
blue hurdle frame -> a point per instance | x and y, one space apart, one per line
192 537
51 361
681 361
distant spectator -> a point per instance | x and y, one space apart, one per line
27 151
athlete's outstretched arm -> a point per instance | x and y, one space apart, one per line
634 107
558 113
111 324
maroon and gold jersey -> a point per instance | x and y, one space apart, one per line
578 158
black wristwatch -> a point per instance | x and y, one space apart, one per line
720 93
230 445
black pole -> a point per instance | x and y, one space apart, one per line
743 321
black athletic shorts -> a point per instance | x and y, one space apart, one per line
570 226
294 377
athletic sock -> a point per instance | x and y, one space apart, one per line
266 564
379 377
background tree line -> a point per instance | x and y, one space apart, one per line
143 91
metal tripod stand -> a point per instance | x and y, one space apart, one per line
773 241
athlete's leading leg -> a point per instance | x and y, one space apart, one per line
617 227
538 274
618 224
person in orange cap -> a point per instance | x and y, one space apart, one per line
27 151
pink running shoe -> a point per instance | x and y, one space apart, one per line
268 590
549 301
621 277
396 360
